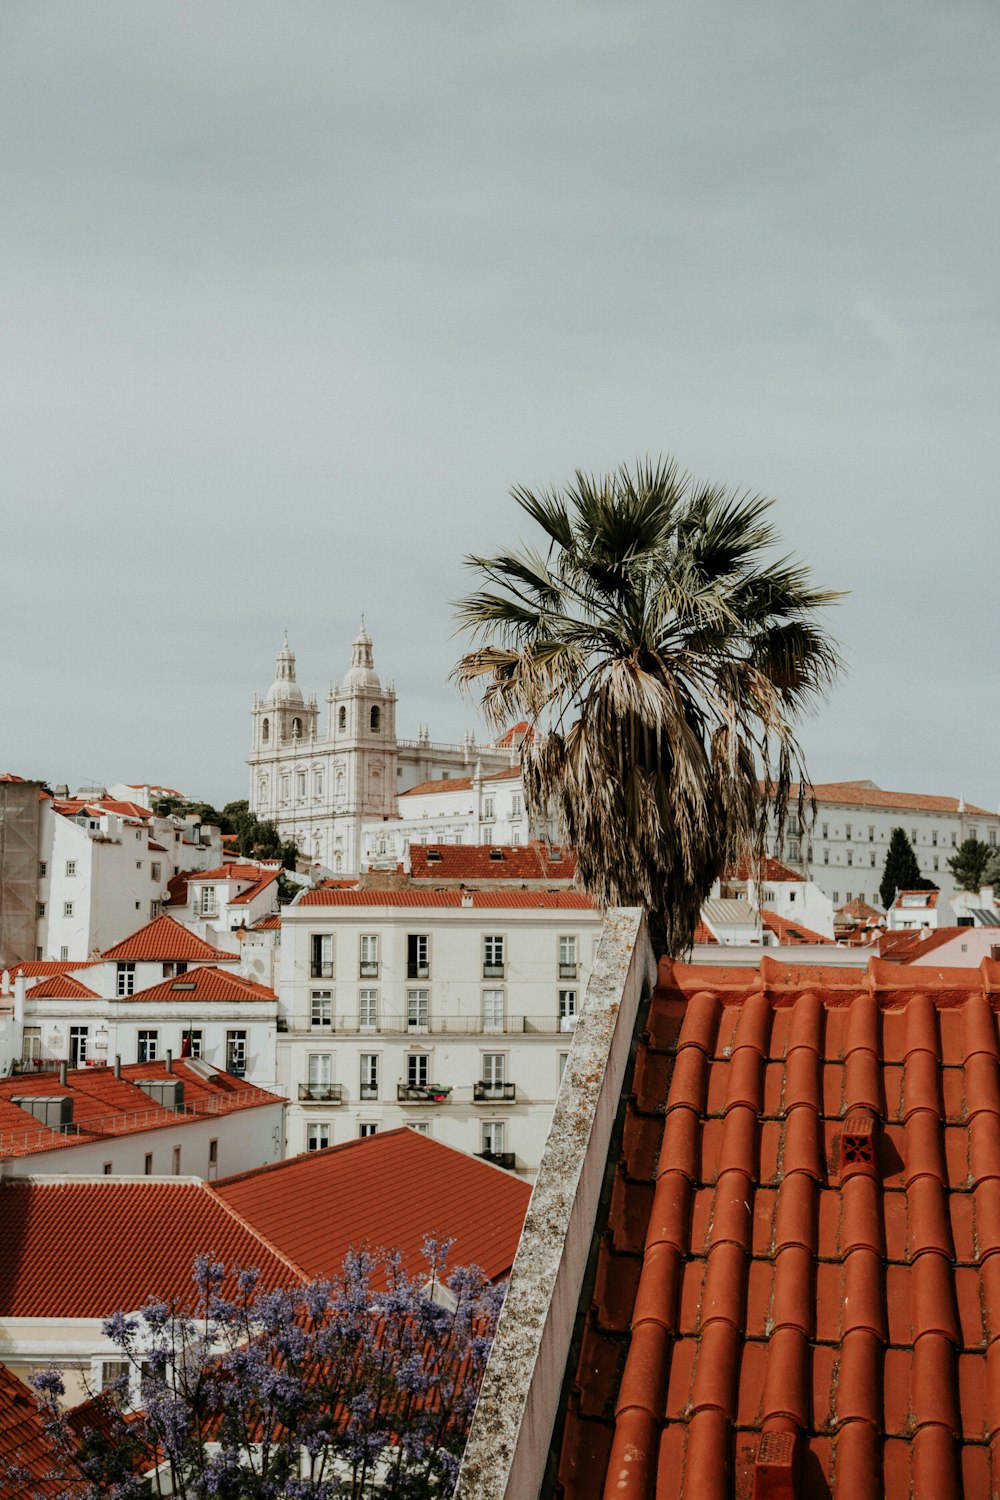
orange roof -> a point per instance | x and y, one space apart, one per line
704 934
768 869
459 783
788 931
517 732
34 967
61 987
483 900
165 940
71 807
387 1191
866 794
200 986
235 871
106 1107
928 899
814 1280
268 923
490 862
141 1239
24 1441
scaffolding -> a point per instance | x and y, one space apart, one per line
20 824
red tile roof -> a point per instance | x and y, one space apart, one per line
904 947
24 1442
788 931
387 1191
164 940
487 900
105 1106
480 862
32 968
459 783
517 732
799 1285
268 923
768 869
61 987
866 794
141 1239
267 877
235 871
928 899
71 807
200 987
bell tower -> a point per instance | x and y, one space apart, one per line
362 734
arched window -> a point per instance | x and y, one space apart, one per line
296 728
375 720
265 731
338 864
342 719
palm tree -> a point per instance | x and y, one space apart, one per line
660 661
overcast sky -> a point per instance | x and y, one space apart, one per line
293 293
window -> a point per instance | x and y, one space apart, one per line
417 1002
493 1010
368 1009
913 836
71 867
77 1046
563 1060
494 1070
826 830
418 956
300 784
39 909
317 783
213 1154
418 1071
836 898
369 955
850 856
847 832
487 833
106 1169
954 840
147 1165
206 906
850 895
375 720
320 1074
826 856
515 805
369 1075
936 862
871 835
31 1043
794 849
318 1136
191 1043
367 1128
567 958
973 835
154 870
567 1009
871 859
492 957
422 1127
147 1046
321 950
493 1137
43 869
236 1053
342 718
321 1008
284 788
488 806
265 731
67 908
176 1163
297 731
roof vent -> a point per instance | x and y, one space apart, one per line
774 1467
434 856
167 1092
857 1146
53 1110
184 984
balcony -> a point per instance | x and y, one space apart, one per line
505 1159
369 969
493 971
569 971
493 1093
422 1093
321 1093
418 971
467 1025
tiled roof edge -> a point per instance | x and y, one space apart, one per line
506 1453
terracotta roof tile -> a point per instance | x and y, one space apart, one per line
388 1191
490 862
485 900
24 1441
142 1238
61 987
866 794
202 986
164 940
789 932
33 968
819 1276
460 783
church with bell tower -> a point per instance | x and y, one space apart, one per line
319 788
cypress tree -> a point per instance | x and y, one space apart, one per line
968 864
901 873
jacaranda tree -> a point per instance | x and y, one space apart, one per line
331 1391
660 654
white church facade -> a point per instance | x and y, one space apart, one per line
319 783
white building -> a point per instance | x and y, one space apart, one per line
319 783
447 1010
844 850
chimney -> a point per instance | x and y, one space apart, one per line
20 986
62 1070
5 982
118 1065
169 1064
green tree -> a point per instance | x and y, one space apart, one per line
991 875
969 864
660 659
901 872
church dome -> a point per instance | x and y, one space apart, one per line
284 691
362 674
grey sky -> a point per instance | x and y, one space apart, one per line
293 293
